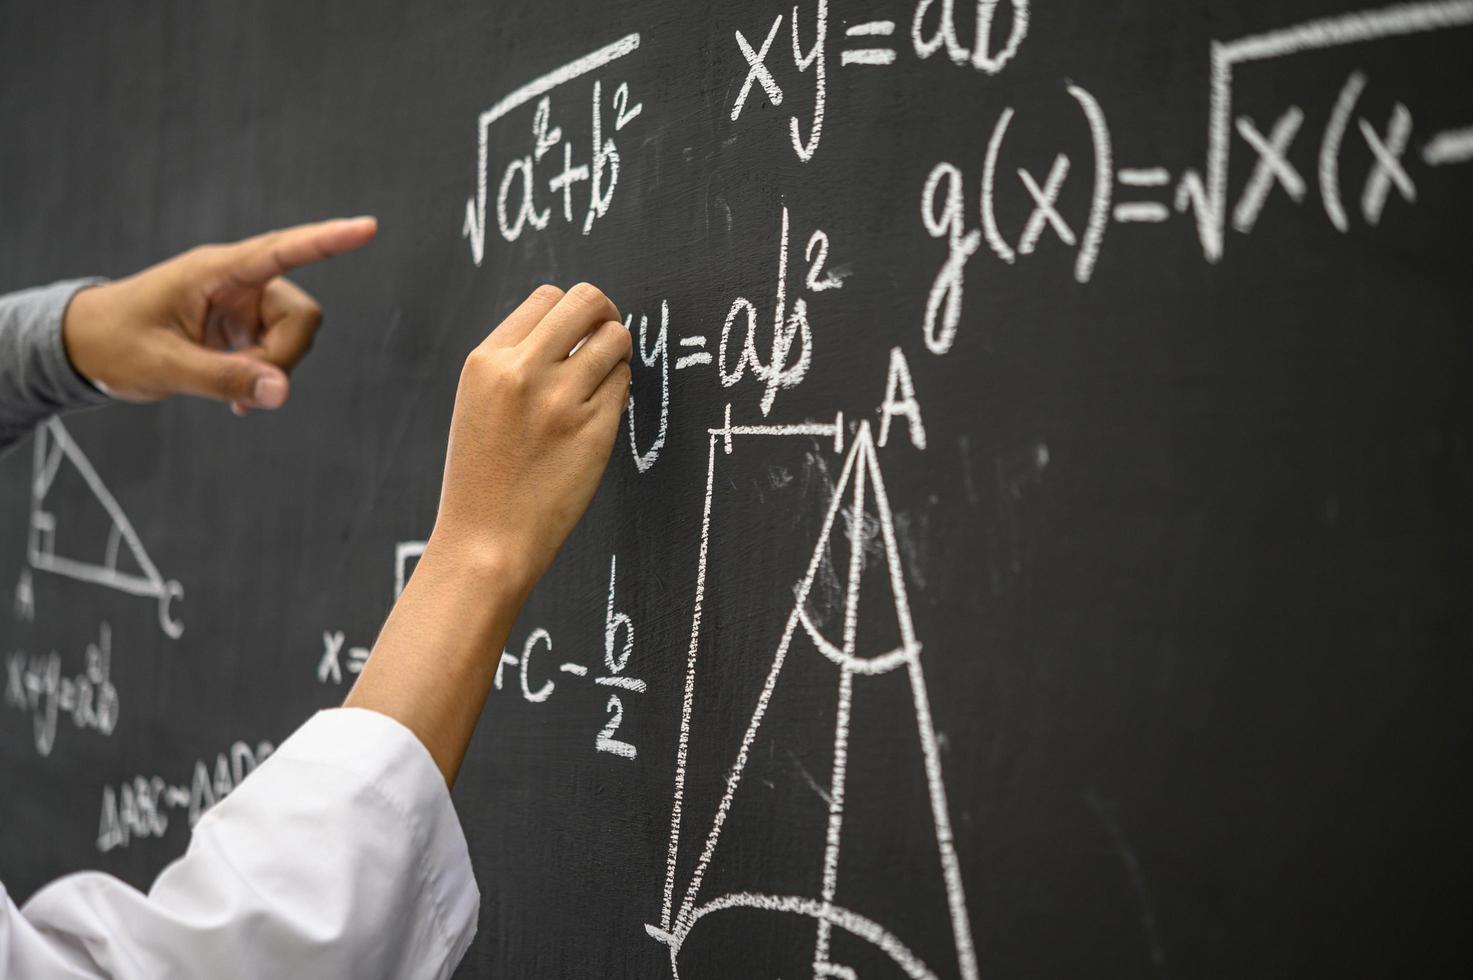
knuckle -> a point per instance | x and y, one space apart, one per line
548 293
587 295
609 340
235 379
300 308
563 400
517 374
617 381
489 374
477 363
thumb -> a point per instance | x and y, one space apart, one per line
235 377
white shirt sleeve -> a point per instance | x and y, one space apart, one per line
340 856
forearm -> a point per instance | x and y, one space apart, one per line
36 377
535 417
436 657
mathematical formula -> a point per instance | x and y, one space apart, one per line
531 194
43 688
139 808
539 672
1357 166
1361 166
552 161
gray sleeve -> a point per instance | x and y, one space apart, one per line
36 377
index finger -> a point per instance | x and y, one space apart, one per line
256 261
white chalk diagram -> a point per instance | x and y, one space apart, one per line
861 486
55 447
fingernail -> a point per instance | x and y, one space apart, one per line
270 391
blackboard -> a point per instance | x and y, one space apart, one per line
1051 457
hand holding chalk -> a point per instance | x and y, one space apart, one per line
536 413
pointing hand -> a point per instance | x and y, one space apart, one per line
218 321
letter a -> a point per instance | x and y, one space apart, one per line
900 399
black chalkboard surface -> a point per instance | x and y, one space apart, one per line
1041 544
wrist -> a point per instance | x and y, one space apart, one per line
79 330
484 565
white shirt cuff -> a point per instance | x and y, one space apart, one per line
389 756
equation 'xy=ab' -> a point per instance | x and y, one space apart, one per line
867 44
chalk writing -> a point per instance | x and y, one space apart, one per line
813 59
335 659
1044 214
860 486
53 449
866 45
1144 195
930 35
519 202
36 685
945 220
139 808
25 597
1206 194
655 354
1361 150
405 553
900 402
875 52
538 684
616 658
1448 147
786 366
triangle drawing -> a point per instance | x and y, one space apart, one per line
122 563
860 509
